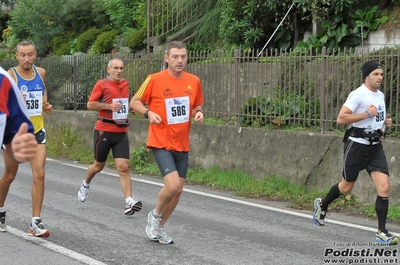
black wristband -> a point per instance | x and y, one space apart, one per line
146 114
204 115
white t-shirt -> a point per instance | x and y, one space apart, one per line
358 102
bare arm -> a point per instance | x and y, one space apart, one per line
137 105
346 116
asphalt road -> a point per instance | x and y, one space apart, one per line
208 227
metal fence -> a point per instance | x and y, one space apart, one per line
298 88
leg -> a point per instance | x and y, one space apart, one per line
101 150
169 195
381 182
10 171
122 166
38 171
93 169
132 204
36 227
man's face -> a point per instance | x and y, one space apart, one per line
115 70
26 56
375 78
176 59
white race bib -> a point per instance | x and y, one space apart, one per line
123 113
178 110
34 103
3 120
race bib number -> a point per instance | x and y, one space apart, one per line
34 103
178 110
123 112
3 120
379 119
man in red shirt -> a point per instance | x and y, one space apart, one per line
110 97
173 97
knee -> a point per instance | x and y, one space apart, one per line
9 176
383 190
345 187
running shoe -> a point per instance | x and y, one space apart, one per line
3 226
163 237
387 238
83 193
37 229
152 227
132 206
319 215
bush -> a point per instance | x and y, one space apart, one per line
87 38
105 42
135 39
60 44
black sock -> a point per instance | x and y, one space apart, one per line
332 195
381 208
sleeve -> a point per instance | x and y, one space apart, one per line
97 92
352 101
14 106
144 90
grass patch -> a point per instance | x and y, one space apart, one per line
63 142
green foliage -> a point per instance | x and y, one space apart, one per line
135 39
87 38
60 45
120 12
105 42
141 157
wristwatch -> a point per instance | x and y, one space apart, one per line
146 114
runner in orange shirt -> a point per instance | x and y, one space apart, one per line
173 97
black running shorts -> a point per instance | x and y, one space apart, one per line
358 157
104 141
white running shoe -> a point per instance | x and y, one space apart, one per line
163 237
132 206
152 226
37 229
83 193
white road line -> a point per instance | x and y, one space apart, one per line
361 227
59 249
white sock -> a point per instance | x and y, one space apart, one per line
127 199
2 209
156 215
85 184
34 219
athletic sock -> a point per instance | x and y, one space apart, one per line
127 199
156 215
381 208
2 209
332 195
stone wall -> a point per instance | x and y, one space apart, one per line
307 158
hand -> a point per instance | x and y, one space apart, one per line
23 145
154 118
373 111
115 106
47 108
131 110
388 121
199 117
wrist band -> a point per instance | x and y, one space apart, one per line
204 115
369 115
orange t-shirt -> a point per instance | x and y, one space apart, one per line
173 99
108 91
